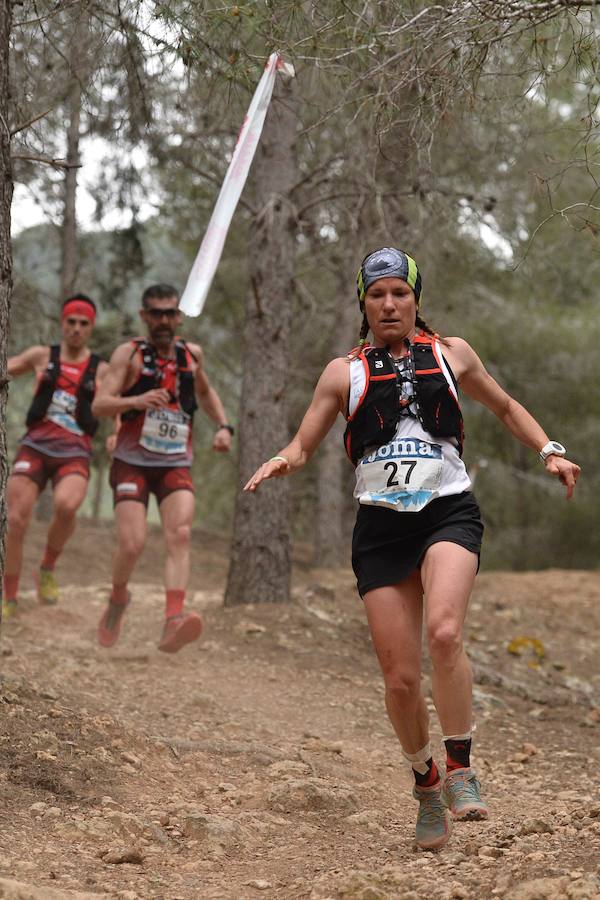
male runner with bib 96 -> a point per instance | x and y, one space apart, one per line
417 536
151 385
57 444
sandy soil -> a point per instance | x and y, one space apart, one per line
259 761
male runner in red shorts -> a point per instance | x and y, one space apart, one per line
56 446
152 385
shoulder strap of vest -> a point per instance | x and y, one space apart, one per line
54 359
89 374
423 338
182 355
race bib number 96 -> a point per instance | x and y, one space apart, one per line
405 475
165 431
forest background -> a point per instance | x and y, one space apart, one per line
466 133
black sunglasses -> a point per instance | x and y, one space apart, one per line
156 313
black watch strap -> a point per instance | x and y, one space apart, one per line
229 428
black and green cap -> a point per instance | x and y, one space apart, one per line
388 262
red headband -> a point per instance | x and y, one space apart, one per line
79 308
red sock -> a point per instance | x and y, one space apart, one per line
11 587
50 557
431 777
175 600
458 753
119 594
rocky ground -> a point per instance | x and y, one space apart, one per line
259 762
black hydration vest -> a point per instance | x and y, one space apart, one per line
85 393
150 377
375 420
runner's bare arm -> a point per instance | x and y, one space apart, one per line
210 401
107 401
329 399
478 384
28 361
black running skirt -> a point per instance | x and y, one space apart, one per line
388 545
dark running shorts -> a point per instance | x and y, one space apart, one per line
39 467
138 482
387 545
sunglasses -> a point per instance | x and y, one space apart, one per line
156 313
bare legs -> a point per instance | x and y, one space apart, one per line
448 573
177 515
176 512
68 495
395 619
21 496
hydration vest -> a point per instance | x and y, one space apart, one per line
84 393
375 420
150 377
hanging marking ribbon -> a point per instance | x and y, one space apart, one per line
206 262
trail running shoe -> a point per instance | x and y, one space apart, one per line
48 593
180 630
109 627
9 609
460 793
433 820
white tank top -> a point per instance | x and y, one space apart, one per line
413 468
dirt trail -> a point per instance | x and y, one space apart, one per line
259 762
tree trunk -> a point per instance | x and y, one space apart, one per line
6 189
330 545
69 256
260 554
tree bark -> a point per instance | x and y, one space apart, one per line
260 554
69 244
6 189
330 544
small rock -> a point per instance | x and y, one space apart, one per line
48 694
490 852
38 809
536 826
131 758
126 855
217 831
259 883
530 749
312 794
53 812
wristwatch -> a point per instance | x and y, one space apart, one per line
552 447
229 428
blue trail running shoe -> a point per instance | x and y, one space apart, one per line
460 793
433 820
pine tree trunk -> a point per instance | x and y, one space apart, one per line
69 256
330 544
260 555
6 189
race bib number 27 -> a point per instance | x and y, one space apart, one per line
405 474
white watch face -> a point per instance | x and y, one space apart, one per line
552 447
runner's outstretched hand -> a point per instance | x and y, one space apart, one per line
566 471
273 468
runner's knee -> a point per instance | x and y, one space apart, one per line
66 508
402 686
131 544
445 644
179 536
17 519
